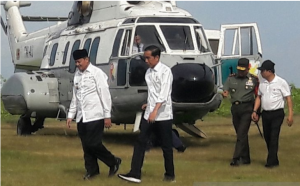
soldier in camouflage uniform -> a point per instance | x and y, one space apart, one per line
241 87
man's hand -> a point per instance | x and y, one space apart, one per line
152 117
290 120
225 94
254 117
144 106
107 122
69 120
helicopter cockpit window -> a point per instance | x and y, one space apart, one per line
94 50
65 53
178 37
72 66
147 35
53 54
201 40
87 44
138 68
126 43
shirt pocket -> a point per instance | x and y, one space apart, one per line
275 94
89 82
233 88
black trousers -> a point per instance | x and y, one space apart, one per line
176 141
272 121
91 134
241 119
164 129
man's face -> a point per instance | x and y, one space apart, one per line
150 60
82 63
242 73
264 73
137 40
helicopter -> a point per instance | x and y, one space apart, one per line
200 60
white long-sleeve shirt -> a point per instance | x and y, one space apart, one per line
159 81
91 97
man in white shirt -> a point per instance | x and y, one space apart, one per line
158 115
91 103
271 93
137 46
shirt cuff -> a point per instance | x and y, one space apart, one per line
71 115
107 115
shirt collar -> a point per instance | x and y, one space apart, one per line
157 67
273 81
88 69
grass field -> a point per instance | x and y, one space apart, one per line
52 158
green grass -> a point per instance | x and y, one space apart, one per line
51 158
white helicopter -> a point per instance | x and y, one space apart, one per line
201 60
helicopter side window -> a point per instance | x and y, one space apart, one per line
126 43
138 68
178 37
65 53
148 36
201 40
87 44
72 66
53 54
121 72
117 42
94 50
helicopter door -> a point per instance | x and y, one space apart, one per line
238 41
119 59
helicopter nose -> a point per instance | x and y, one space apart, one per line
192 83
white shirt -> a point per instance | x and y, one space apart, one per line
159 81
273 93
91 97
135 49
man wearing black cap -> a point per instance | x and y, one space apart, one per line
91 103
241 87
271 93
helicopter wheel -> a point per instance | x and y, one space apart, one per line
24 126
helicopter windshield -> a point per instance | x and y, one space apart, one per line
146 35
178 37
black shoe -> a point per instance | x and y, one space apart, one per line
89 176
271 165
130 177
114 169
246 162
234 162
181 148
169 178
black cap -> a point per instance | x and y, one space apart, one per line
267 65
77 54
243 64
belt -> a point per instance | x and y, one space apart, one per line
273 110
241 102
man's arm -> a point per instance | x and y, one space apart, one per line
166 86
104 96
72 109
225 92
290 106
256 107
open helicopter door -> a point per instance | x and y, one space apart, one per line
237 41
